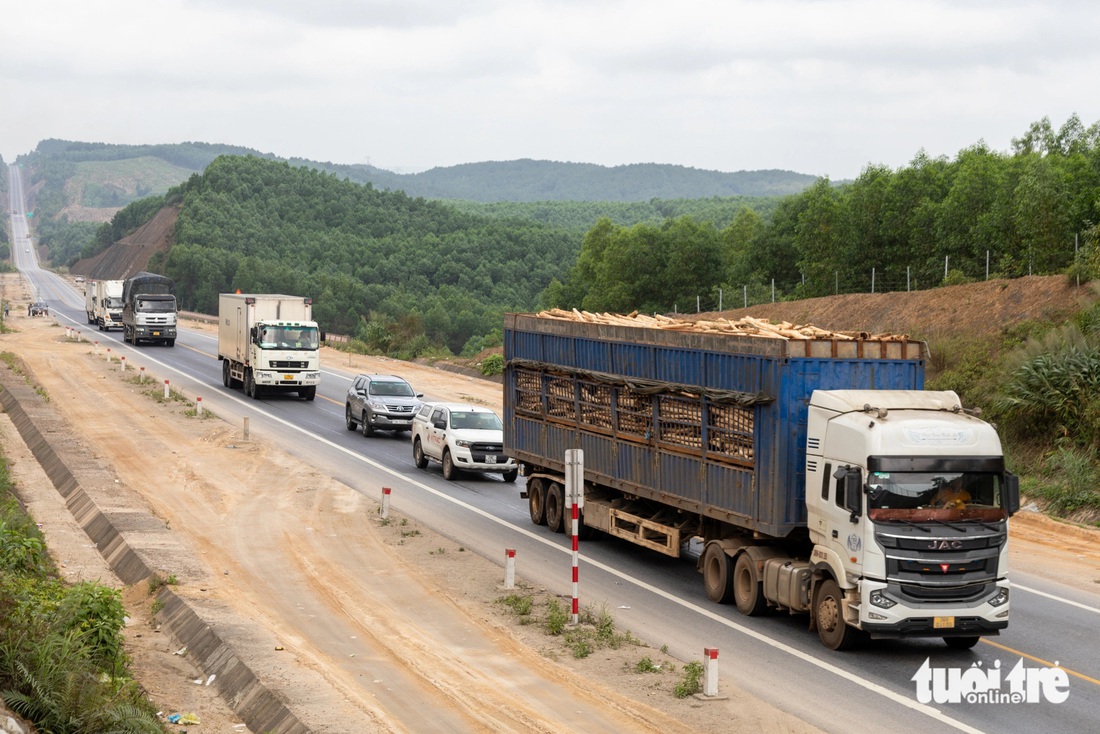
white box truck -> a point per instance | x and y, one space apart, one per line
269 343
106 304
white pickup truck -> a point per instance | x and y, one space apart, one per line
462 437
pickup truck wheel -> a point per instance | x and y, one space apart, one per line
510 476
829 613
717 574
449 471
961 643
419 458
536 501
555 508
748 592
364 423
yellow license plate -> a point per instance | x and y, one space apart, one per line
288 377
943 622
156 333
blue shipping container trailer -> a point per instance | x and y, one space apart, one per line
716 434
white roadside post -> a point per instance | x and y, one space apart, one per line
95 349
710 676
141 374
122 363
509 568
574 492
198 406
385 503
166 389
108 355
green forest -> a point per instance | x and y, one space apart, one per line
1034 210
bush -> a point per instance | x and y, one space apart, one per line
493 364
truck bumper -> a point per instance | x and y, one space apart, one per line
142 331
290 380
986 616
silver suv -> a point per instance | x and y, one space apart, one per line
380 403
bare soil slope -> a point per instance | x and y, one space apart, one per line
988 307
132 253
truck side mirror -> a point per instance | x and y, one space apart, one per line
1012 493
853 492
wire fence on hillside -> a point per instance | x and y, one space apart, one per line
872 280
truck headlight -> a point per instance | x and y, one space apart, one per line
1000 598
880 600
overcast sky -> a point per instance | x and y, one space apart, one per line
823 87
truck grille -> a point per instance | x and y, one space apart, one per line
487 448
289 364
400 408
946 564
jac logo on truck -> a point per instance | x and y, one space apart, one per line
945 544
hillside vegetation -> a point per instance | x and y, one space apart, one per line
984 214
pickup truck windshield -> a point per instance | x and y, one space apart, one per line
934 496
478 420
289 337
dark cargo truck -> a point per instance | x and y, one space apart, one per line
149 309
811 471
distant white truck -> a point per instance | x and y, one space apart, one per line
269 343
103 303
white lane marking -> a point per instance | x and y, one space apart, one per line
1072 603
782 647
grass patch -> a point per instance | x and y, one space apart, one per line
691 682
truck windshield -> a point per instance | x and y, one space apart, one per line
934 496
289 337
114 302
149 305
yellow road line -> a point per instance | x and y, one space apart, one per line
1047 663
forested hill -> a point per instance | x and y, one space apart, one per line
530 180
423 273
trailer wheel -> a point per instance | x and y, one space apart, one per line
829 612
748 591
716 574
536 501
419 458
555 507
961 643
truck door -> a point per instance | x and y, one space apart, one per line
842 535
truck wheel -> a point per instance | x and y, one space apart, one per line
449 471
961 643
170 342
99 323
555 507
225 372
250 385
349 420
364 423
536 501
419 458
716 574
829 613
748 591
510 476
308 393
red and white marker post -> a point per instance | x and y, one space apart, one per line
574 493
